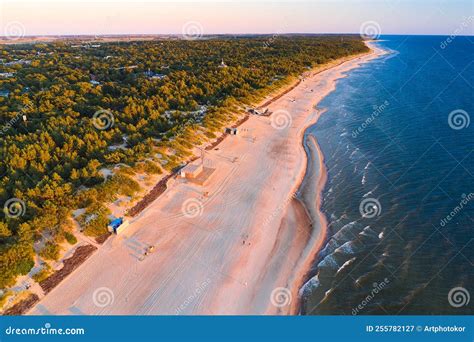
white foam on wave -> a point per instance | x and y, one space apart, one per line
346 264
370 192
356 154
340 234
309 286
367 231
346 248
364 177
329 262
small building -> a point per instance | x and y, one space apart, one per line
94 82
4 93
118 225
263 112
191 171
158 77
6 74
222 65
254 111
231 131
154 76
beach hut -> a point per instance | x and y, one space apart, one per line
117 225
191 171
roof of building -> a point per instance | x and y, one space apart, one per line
117 222
191 168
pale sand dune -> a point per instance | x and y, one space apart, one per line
201 265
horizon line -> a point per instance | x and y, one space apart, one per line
227 34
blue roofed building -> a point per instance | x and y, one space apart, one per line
117 225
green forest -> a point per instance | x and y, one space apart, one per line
69 108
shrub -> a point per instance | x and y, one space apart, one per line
50 251
70 238
43 274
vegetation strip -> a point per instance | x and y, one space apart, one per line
80 255
23 306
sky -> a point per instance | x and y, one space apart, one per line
61 17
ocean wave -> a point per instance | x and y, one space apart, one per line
308 287
346 264
346 232
356 155
346 248
368 232
329 262
370 192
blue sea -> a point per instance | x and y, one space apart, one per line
398 142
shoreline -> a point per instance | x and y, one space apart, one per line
207 249
312 199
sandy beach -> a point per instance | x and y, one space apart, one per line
242 243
